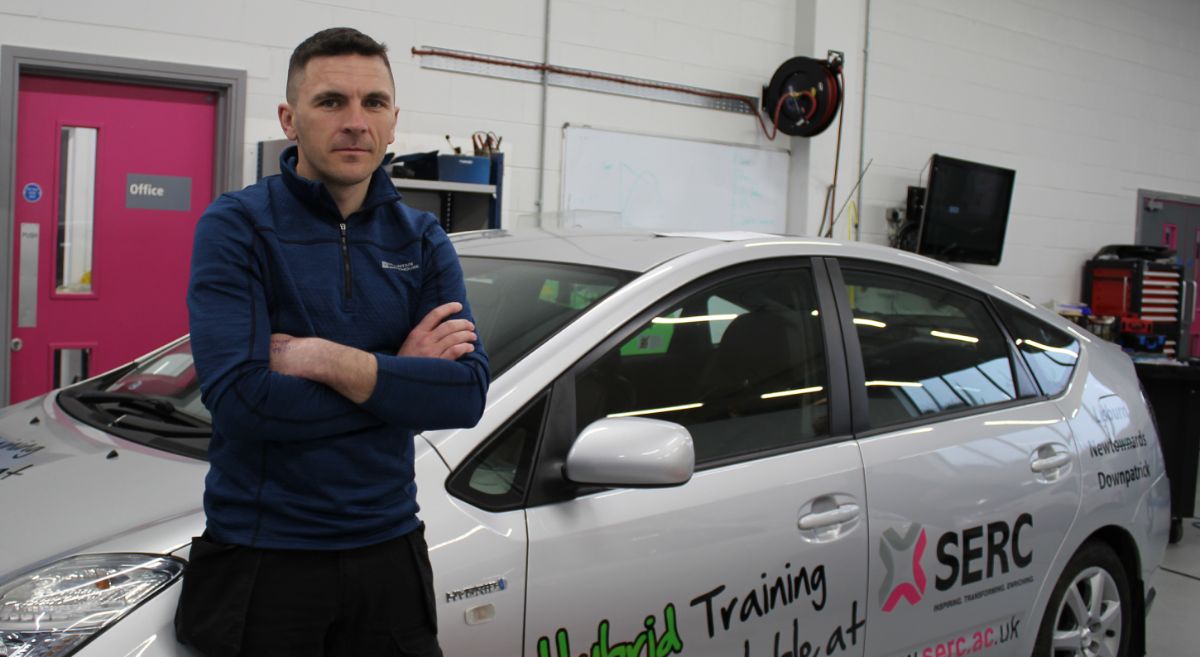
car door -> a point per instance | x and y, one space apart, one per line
972 476
763 551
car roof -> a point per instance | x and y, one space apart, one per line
637 251
642 250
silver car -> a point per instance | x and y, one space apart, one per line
727 444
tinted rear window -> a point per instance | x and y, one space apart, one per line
1050 352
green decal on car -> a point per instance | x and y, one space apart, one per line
654 339
572 295
648 643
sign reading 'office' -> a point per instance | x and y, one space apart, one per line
147 192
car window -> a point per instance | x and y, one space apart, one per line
926 350
726 311
741 364
656 337
496 477
1050 352
519 303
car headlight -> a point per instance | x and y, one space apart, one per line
52 611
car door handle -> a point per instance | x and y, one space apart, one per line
843 513
1051 462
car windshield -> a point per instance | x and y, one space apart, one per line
517 304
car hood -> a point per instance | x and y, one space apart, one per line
67 488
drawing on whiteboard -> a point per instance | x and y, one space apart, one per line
640 199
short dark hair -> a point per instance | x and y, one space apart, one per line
332 42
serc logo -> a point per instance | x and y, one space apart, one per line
894 549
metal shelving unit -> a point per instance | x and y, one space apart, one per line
458 206
442 186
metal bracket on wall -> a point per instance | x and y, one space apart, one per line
521 70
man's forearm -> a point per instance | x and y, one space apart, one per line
353 373
350 372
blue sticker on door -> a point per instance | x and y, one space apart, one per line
31 192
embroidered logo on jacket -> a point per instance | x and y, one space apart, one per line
407 266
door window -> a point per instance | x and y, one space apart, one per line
71 365
76 209
740 364
926 350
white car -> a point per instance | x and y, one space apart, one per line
732 445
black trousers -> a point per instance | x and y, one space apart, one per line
366 602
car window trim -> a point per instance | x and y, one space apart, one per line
925 420
863 428
856 391
548 484
1027 384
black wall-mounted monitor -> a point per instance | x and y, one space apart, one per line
966 211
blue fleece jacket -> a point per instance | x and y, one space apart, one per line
293 464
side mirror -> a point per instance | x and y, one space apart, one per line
631 452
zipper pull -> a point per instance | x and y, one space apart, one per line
346 285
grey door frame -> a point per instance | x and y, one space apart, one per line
229 85
1145 197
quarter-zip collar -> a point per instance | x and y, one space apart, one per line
314 193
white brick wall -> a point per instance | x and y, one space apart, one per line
729 45
1088 100
732 45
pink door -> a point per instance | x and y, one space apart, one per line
110 181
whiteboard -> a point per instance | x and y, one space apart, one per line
612 179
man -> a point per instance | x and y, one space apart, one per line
329 322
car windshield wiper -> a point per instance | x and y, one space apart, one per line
149 420
154 414
156 404
165 429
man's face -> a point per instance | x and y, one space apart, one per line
342 116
